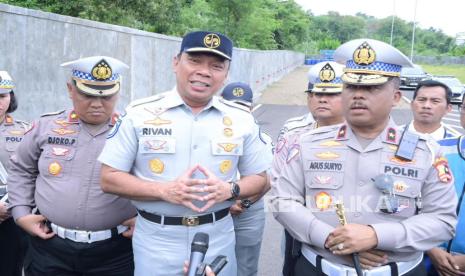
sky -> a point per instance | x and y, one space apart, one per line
447 15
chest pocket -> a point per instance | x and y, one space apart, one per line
231 147
56 161
157 145
12 142
324 169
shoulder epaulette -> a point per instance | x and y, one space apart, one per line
52 113
297 127
233 104
150 99
295 119
320 133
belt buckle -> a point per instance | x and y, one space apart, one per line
190 221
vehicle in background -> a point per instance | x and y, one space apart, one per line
411 76
454 84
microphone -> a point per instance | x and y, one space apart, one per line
198 249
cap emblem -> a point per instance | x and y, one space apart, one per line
327 73
212 41
364 54
238 92
101 70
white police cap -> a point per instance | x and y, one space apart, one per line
369 61
326 77
6 82
98 75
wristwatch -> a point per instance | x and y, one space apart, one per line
246 203
235 190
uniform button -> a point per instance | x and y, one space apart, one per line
194 147
361 183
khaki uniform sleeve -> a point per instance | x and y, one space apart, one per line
23 173
437 216
288 205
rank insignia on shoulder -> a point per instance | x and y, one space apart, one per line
391 135
54 168
156 166
225 166
331 143
280 145
342 132
323 200
442 166
63 131
327 155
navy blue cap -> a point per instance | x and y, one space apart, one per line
209 42
238 92
310 87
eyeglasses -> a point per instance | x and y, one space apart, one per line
461 108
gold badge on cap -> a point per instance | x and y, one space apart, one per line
238 92
54 168
102 70
228 132
364 54
323 200
225 166
156 165
212 41
327 73
227 121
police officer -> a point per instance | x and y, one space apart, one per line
248 214
78 230
13 240
398 192
324 102
431 102
177 155
449 258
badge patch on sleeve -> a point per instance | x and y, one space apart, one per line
115 128
293 152
442 166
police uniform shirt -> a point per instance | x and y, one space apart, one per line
12 132
332 166
160 138
56 168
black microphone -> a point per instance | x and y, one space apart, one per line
198 249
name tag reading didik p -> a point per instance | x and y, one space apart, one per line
408 144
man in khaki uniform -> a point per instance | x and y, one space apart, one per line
325 104
78 230
397 188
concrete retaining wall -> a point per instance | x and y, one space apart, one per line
35 43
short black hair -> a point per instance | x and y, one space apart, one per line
433 83
13 103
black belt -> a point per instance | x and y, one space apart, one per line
187 220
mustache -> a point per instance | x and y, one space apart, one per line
358 104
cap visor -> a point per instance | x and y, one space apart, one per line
98 90
326 90
364 79
207 50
